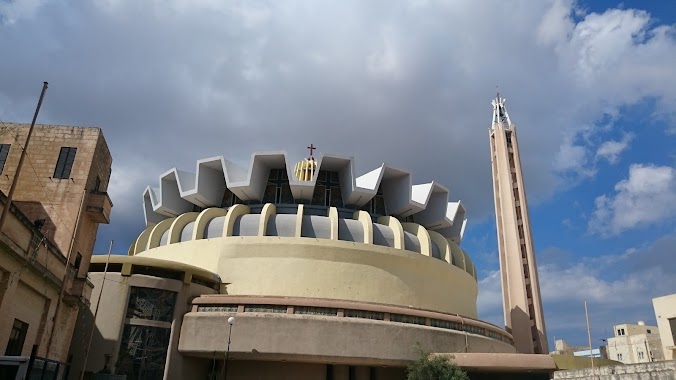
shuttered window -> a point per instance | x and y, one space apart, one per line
65 163
4 151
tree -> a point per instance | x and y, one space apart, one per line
428 367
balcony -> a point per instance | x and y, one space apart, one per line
98 206
78 289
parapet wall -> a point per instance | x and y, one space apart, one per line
664 370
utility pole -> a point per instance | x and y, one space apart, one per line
591 349
15 180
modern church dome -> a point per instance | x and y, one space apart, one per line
316 257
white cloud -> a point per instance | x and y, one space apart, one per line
647 197
618 289
611 150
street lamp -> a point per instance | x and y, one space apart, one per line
231 321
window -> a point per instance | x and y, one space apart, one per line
648 331
143 352
16 338
327 190
97 185
229 199
640 355
277 190
619 357
78 261
151 304
65 163
4 151
620 332
376 206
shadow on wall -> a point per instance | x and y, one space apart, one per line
36 213
101 352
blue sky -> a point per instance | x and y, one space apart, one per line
590 86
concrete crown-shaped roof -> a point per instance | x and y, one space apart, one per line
180 191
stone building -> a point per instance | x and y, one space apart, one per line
665 313
635 343
59 201
327 274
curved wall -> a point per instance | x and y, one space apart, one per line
332 269
312 338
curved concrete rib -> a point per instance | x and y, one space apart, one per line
179 224
365 219
396 228
179 191
233 213
268 210
157 232
442 243
142 241
203 220
423 237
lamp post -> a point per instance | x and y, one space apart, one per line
231 321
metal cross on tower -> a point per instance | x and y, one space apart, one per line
312 148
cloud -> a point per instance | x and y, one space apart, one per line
647 197
408 83
611 150
617 287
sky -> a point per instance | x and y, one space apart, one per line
590 85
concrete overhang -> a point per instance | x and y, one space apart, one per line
502 362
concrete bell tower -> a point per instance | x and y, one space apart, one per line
522 304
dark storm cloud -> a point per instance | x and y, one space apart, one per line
407 83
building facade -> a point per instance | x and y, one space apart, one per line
328 275
635 343
665 313
48 240
522 303
563 348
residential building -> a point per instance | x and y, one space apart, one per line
48 238
665 313
635 343
563 348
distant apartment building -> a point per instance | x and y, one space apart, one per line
665 312
635 343
563 348
47 242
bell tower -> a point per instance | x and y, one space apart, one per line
522 304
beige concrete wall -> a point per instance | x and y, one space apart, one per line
310 338
265 370
636 348
665 309
275 371
111 319
30 281
523 314
634 329
304 267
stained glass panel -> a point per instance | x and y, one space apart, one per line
143 352
152 304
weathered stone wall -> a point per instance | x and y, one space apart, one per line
40 196
663 370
